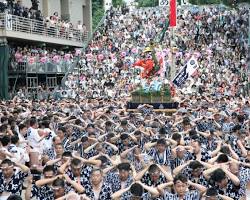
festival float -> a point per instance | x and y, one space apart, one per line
154 90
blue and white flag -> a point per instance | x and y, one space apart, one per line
187 71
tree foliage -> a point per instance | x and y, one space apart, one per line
117 3
147 3
97 12
225 2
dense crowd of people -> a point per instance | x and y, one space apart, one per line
52 25
96 149
125 37
33 54
16 8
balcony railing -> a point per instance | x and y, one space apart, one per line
31 26
41 68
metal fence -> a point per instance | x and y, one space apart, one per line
31 26
38 67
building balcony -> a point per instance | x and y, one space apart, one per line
16 27
39 68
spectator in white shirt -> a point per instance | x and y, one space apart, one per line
4 153
21 133
51 134
20 155
79 26
35 136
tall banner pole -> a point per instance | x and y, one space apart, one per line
172 23
173 67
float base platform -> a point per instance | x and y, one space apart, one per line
170 107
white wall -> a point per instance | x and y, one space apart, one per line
81 10
27 3
87 15
65 9
76 10
54 6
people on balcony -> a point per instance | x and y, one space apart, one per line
51 25
102 149
31 57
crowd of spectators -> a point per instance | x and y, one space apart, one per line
121 41
16 8
54 25
96 149
32 54
40 59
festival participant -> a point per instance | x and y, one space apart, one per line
54 186
153 175
78 169
161 152
136 191
209 130
224 181
96 187
181 184
193 170
120 180
212 194
12 176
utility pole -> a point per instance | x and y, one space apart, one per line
172 45
248 56
78 80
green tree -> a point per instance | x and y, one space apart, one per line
117 3
147 3
97 12
225 2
